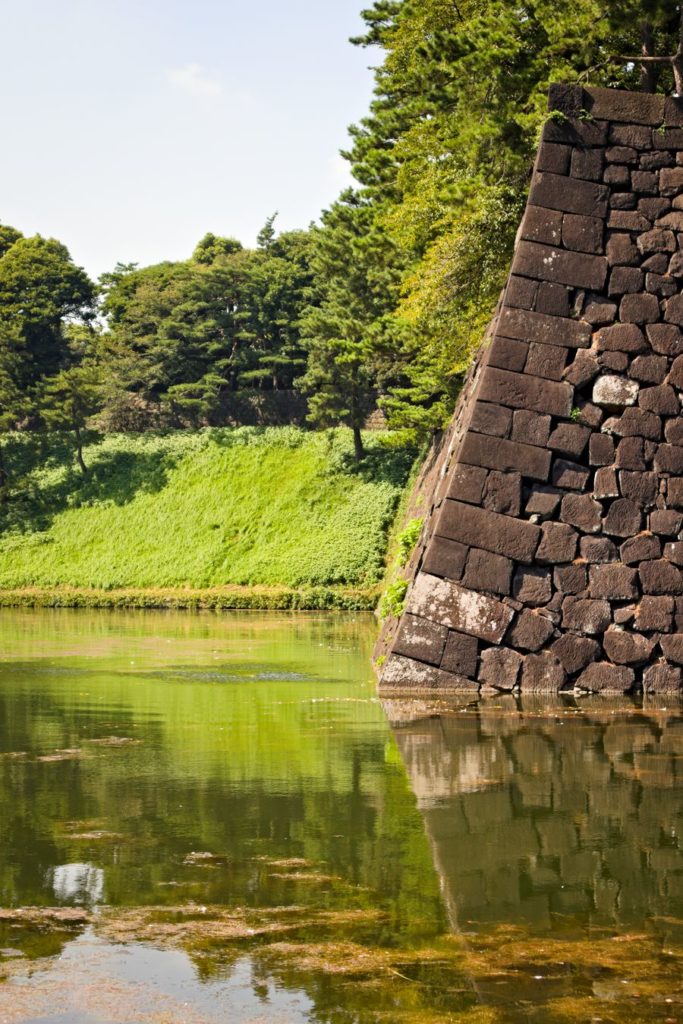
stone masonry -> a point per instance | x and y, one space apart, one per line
552 557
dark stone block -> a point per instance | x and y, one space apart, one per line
571 195
494 420
530 427
530 631
622 155
602 677
421 639
665 339
558 544
639 309
478 527
507 354
662 679
673 220
508 456
636 423
666 522
543 501
500 667
553 157
546 361
641 488
546 263
628 220
642 548
569 439
655 614
444 558
635 136
661 400
673 431
588 415
575 652
622 201
671 180
583 234
656 264
401 673
672 646
488 572
673 313
582 511
660 577
617 175
625 279
644 182
621 338
583 369
585 615
675 266
578 131
503 493
614 582
674 492
467 484
522 391
631 454
620 251
630 107
547 330
669 459
542 673
606 484
601 450
676 374
598 550
627 648
532 586
570 475
552 299
674 552
623 519
599 311
656 240
460 655
521 292
541 225
585 163
660 284
570 579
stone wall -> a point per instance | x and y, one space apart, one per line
551 557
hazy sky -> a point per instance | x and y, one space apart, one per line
131 127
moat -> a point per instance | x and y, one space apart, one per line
208 818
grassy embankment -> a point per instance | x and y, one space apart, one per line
217 518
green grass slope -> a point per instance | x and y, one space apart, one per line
247 506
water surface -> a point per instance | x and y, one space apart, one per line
212 818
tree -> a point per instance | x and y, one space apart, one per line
69 399
212 247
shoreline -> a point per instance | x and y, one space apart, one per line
232 597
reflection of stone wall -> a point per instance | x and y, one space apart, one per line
551 558
552 812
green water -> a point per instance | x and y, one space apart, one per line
212 818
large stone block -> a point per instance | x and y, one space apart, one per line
629 107
451 605
525 325
477 527
547 263
571 195
520 391
421 639
507 456
403 673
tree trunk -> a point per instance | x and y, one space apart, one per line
4 478
677 62
648 71
79 452
358 448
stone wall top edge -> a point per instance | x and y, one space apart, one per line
619 105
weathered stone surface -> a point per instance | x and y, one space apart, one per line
530 631
445 558
599 310
623 519
669 459
530 427
638 137
464 610
488 572
543 501
627 648
548 263
500 667
661 400
460 654
546 330
558 544
649 369
582 511
585 615
673 313
586 163
666 339
642 488
477 527
403 673
556 192
532 586
553 157
503 493
631 454
606 483
598 550
641 308
615 392
569 439
542 673
642 548
632 108
672 647
494 420
541 225
601 677
575 652
583 234
521 391
644 181
673 431
623 280
620 251
507 354
666 522
655 614
660 577
546 361
621 338
552 299
614 582
635 423
421 639
570 579
601 450
570 475
506 456
662 679
657 240
521 292
671 181
674 552
676 373
467 484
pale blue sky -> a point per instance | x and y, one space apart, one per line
131 127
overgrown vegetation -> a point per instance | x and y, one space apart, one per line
275 507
